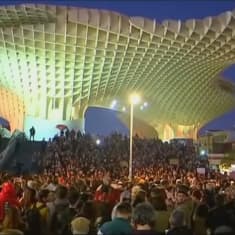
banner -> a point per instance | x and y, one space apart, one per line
174 161
201 171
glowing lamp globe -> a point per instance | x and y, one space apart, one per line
134 98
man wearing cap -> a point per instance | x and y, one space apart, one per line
185 203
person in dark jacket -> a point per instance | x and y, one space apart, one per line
144 219
178 224
120 225
219 215
61 218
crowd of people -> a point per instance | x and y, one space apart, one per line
83 188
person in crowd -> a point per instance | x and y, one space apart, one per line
120 225
73 198
59 223
80 226
43 145
200 213
144 219
106 194
8 198
185 203
125 195
139 197
87 181
12 220
31 215
158 199
218 216
178 225
32 133
41 205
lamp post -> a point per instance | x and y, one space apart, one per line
134 99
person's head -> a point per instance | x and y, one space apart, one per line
80 226
157 199
123 210
182 194
43 195
107 179
177 219
29 196
134 191
73 196
51 196
219 200
32 184
144 216
125 197
61 192
139 198
197 196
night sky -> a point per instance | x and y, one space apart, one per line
102 121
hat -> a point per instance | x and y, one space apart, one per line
183 189
80 225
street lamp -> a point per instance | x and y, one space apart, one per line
134 99
97 142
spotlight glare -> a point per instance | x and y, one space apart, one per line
202 152
134 98
97 142
113 104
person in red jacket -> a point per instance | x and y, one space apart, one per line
106 192
105 198
7 198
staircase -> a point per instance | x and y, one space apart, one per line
22 157
3 144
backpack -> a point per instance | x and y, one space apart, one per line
34 220
60 223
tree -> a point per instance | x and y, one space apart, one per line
228 160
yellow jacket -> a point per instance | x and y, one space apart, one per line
44 211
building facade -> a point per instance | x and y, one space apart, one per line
56 61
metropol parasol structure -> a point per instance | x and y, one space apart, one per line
55 61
